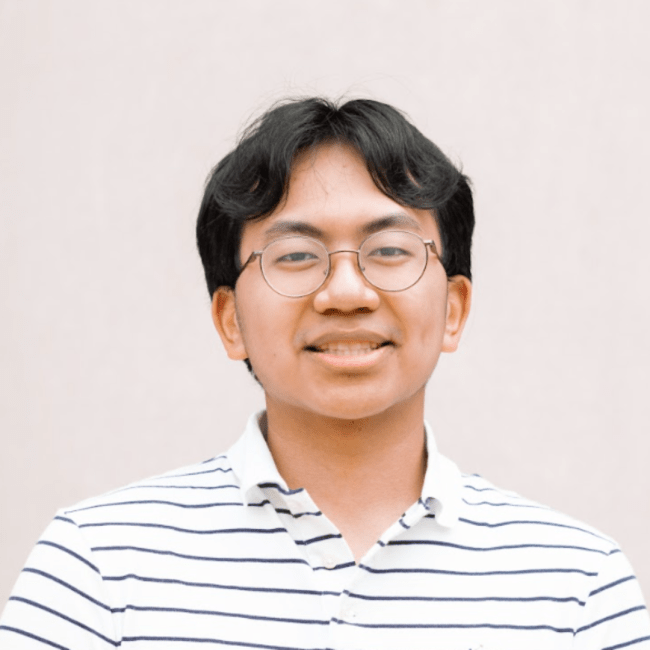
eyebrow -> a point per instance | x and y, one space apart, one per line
291 227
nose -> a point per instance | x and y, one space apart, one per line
346 289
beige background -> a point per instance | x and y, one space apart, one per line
113 112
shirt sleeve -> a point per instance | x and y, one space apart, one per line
60 599
614 615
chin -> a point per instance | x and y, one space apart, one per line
355 406
350 413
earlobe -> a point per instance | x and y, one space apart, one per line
459 299
224 316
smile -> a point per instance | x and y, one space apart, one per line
349 348
349 354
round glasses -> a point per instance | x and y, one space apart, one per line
391 260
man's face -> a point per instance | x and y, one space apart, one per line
317 353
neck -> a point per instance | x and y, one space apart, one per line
352 469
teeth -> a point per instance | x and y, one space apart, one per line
349 349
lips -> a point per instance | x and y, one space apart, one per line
348 348
349 343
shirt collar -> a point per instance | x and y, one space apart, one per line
251 460
441 490
252 464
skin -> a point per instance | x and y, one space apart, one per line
352 436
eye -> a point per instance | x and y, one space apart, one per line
389 251
296 257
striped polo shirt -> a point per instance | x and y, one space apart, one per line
224 555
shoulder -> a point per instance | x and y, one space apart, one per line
191 487
505 514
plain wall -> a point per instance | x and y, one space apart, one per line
113 112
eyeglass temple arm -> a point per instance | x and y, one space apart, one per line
251 257
432 245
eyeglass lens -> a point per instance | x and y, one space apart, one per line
298 266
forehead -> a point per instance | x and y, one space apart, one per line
331 195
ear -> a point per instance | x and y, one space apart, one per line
224 316
459 299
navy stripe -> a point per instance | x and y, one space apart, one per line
446 599
280 488
285 511
345 565
49 576
166 477
611 584
451 626
177 529
627 643
625 612
313 540
203 558
64 520
184 639
510 505
402 524
69 552
531 522
83 626
210 585
158 502
212 460
427 542
206 612
140 486
29 635
491 489
477 573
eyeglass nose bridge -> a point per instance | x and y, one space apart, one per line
328 273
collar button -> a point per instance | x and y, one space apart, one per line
329 562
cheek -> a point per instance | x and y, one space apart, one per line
425 316
267 327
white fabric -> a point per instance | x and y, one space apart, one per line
223 554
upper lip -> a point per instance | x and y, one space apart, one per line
349 336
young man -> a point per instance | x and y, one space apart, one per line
336 246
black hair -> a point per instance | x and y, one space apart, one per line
252 180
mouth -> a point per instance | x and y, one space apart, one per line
351 356
348 348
